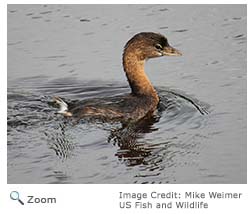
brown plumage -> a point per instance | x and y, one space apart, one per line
143 99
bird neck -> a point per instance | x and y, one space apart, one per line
137 78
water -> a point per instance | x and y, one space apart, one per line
74 51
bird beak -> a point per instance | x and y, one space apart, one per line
170 51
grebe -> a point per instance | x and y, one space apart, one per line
143 99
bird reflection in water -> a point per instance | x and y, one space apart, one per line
132 151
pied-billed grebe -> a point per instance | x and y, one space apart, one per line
143 99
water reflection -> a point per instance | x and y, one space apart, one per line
132 151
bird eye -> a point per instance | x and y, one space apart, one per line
159 47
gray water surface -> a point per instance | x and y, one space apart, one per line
74 51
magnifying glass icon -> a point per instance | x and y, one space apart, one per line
14 195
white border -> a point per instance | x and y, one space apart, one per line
103 198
